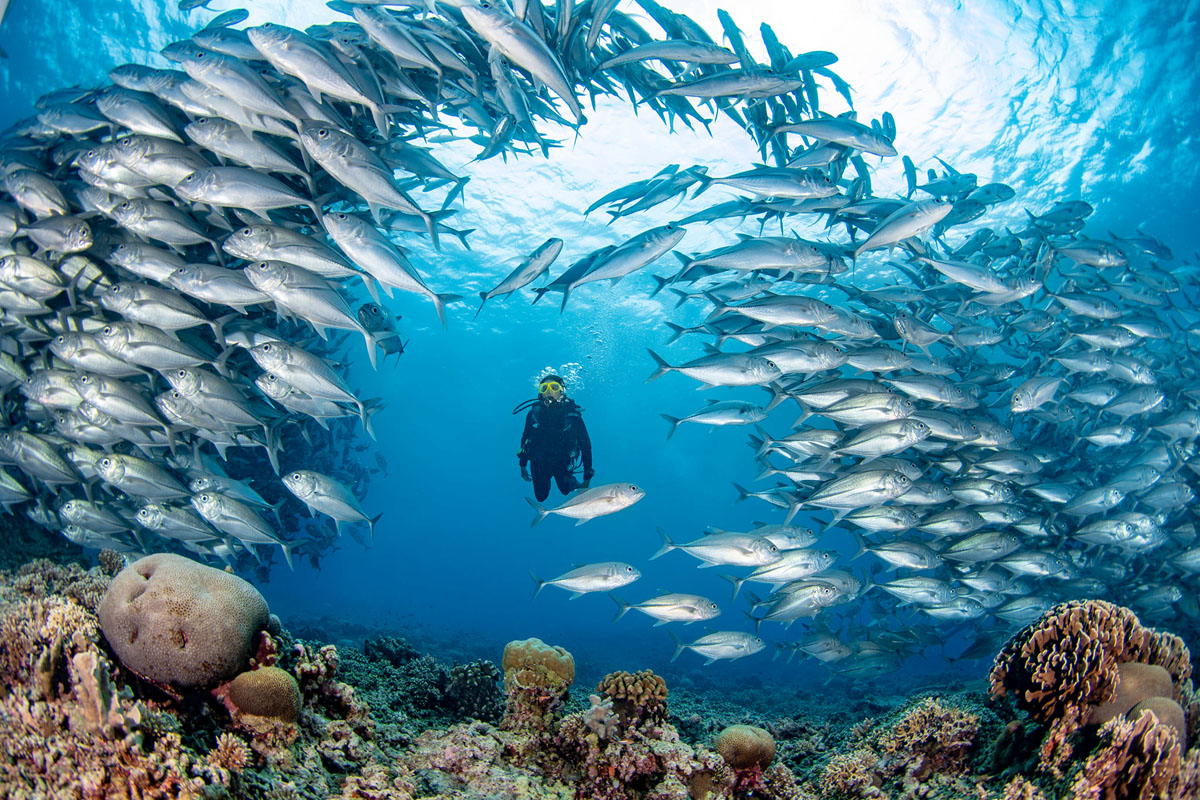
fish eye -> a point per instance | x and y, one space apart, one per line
108 329
200 54
104 462
322 133
628 568
245 231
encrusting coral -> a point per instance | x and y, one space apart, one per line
174 621
1064 668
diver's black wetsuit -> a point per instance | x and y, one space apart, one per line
554 435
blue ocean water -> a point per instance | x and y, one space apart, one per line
1060 100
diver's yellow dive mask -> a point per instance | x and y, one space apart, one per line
550 389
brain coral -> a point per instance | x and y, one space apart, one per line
266 692
175 621
636 696
745 747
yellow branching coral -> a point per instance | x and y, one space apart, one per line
852 775
931 737
230 754
637 696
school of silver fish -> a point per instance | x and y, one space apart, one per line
1001 417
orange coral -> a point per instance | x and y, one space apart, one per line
1064 665
1138 760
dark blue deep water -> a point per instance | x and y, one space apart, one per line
1062 100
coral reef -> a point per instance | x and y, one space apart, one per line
475 691
745 747
1137 759
748 750
1065 667
926 744
637 697
266 692
600 718
174 621
536 679
931 738
389 722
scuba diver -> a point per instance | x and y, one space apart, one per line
554 439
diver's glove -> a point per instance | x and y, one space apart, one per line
587 479
525 473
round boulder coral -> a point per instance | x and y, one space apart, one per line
532 662
745 747
175 621
266 692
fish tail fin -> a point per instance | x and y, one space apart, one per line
679 645
372 523
663 366
676 332
287 555
623 607
371 344
861 543
660 283
541 512
483 298
541 584
439 302
683 296
742 491
431 227
667 547
737 584
674 423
